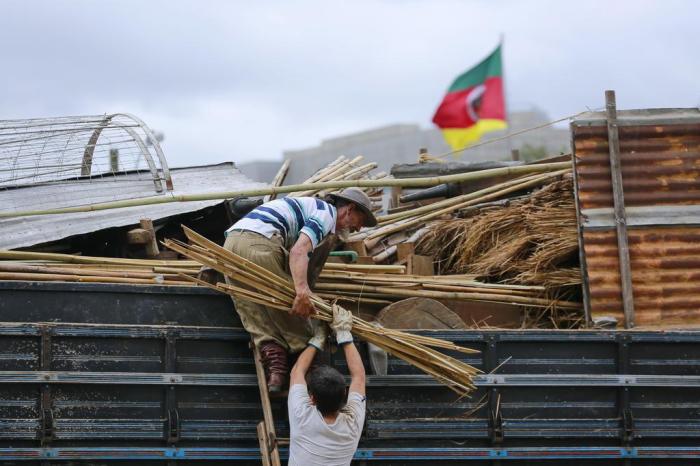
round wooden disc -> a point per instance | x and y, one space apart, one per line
419 313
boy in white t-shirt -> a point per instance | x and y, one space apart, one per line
325 428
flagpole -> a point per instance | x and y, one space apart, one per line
501 40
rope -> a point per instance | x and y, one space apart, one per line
510 135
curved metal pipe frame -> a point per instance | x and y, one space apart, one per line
86 168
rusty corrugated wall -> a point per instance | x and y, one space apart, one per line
660 160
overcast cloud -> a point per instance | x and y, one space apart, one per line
242 81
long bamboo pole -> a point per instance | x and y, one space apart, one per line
468 296
387 182
52 256
26 276
278 179
537 178
4 267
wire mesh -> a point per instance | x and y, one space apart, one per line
63 149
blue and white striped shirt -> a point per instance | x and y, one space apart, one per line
291 216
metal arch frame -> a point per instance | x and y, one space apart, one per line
90 148
156 146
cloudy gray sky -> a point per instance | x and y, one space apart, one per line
242 81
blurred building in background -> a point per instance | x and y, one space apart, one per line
400 143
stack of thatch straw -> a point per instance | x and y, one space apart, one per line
529 241
520 242
254 283
409 225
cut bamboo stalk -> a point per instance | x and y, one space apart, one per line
15 255
278 180
354 299
374 268
390 218
467 296
336 174
328 168
385 254
27 276
83 272
405 182
176 270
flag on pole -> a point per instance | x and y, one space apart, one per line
474 104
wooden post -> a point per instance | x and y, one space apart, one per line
114 160
619 208
146 235
152 245
422 152
515 154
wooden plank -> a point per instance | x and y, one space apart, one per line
619 207
418 265
268 420
421 265
365 260
404 250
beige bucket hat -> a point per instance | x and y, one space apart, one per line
360 199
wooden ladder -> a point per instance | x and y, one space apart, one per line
269 443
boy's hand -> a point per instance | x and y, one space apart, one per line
318 341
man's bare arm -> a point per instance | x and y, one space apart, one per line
299 266
298 374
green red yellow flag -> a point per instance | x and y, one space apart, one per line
474 104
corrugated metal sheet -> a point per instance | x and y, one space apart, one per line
27 231
660 163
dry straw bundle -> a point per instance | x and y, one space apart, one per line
525 239
255 283
529 241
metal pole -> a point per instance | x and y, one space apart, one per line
619 208
505 96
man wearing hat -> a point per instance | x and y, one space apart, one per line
280 235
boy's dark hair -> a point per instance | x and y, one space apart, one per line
327 386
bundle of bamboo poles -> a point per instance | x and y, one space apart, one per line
37 266
362 286
255 283
342 169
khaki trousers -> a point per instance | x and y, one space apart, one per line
263 323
